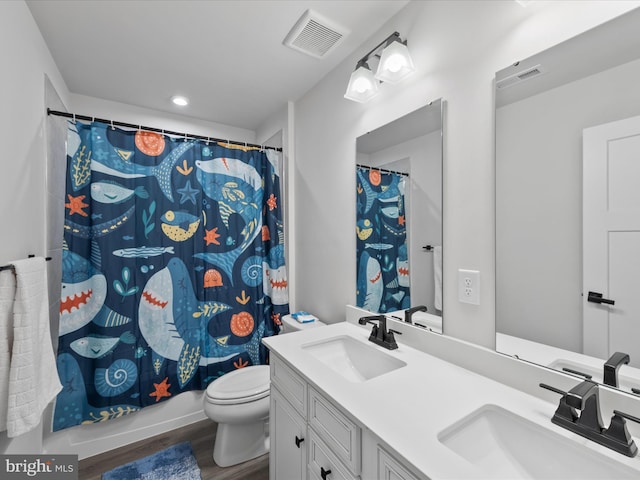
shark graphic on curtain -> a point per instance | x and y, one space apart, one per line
172 268
381 244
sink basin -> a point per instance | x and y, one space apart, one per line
354 360
505 445
625 382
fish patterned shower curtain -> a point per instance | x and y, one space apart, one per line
172 268
381 252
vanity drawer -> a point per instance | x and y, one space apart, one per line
322 459
336 430
390 469
291 385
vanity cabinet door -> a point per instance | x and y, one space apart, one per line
336 429
289 443
292 385
390 469
323 463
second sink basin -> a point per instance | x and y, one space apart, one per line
504 445
354 360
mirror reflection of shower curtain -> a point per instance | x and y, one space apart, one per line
382 252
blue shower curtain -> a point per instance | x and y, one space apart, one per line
172 268
381 245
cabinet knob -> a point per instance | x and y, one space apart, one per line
324 473
299 441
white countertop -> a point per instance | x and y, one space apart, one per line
408 407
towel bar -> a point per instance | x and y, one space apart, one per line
10 267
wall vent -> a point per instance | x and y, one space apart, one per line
315 35
527 74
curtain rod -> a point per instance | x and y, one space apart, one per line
384 170
157 130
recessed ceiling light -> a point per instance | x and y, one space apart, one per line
181 101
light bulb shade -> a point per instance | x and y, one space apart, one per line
395 63
362 85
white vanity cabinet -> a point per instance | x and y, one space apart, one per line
288 450
287 423
311 438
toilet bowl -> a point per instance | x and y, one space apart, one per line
239 403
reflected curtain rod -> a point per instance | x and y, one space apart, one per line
157 130
383 170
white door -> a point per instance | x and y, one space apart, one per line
611 238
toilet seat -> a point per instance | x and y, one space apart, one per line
240 386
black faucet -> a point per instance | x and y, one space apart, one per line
584 397
408 313
379 334
611 367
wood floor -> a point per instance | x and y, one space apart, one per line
201 436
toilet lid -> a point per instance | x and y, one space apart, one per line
242 385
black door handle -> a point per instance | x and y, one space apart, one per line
596 297
324 473
299 441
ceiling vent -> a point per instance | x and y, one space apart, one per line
315 35
522 76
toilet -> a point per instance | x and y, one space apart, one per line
239 403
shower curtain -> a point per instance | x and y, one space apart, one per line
172 268
381 252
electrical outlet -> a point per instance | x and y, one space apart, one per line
469 286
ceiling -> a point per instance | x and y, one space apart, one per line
227 57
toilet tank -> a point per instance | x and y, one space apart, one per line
289 324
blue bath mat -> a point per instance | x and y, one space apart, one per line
176 463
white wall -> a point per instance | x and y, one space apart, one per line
457 47
23 189
539 202
26 60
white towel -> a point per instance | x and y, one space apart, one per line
437 276
33 377
7 293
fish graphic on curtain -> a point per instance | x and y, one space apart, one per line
172 268
381 243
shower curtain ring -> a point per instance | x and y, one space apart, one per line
208 139
112 127
74 118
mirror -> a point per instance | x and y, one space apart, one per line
399 216
566 201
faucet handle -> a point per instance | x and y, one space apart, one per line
564 410
618 433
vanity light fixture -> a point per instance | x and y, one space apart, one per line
394 64
363 86
180 101
395 61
